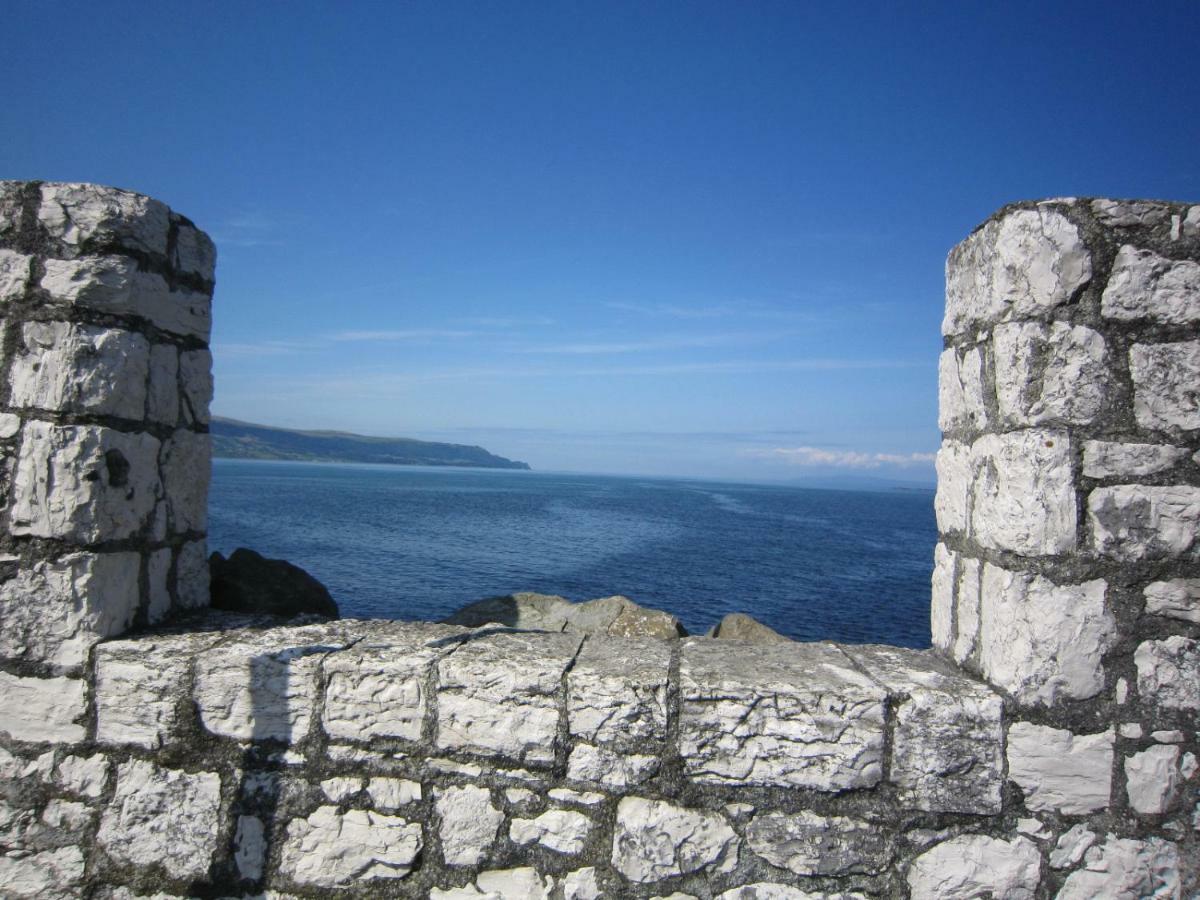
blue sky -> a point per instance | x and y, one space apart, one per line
700 239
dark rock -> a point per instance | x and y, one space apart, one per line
249 582
741 627
617 616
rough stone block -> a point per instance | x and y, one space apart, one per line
1023 496
1049 373
162 817
192 575
654 840
976 866
1132 522
392 793
961 401
1152 779
54 611
966 608
609 768
162 402
1108 459
468 824
945 567
42 709
1020 265
331 849
89 217
1164 385
948 737
1058 770
85 776
63 367
617 692
262 685
788 715
84 483
377 688
186 471
1144 285
1169 672
158 570
1178 598
1124 867
1130 213
250 847
48 875
195 253
1040 641
560 830
955 476
498 695
810 844
195 371
15 271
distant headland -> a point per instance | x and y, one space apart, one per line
244 440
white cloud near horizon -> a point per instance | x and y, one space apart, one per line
845 459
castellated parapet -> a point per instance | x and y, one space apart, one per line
1047 746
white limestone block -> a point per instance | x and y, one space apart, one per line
341 787
560 830
262 685
582 884
1130 213
610 768
1058 770
617 692
469 822
1051 373
392 793
48 875
186 471
976 866
1023 495
192 575
967 609
947 740
162 393
1178 598
961 401
1132 522
67 815
1130 730
955 477
1164 385
10 423
84 483
1044 642
1169 672
158 571
85 776
579 798
15 271
1021 265
55 610
822 729
1152 779
162 817
810 844
377 687
88 215
941 613
250 847
42 709
523 883
195 376
519 796
330 849
1110 459
1144 285
1126 869
1071 846
195 253
63 367
656 840
498 695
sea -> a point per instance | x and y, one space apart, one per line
401 542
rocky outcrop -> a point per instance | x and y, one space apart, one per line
741 627
249 582
617 616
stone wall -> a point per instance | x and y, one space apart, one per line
1047 747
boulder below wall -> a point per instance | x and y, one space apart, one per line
616 616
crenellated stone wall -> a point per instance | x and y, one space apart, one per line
1047 747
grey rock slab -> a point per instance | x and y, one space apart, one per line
947 740
617 692
1178 598
54 611
1111 459
262 685
64 367
42 709
787 715
48 875
196 382
810 844
331 849
1126 869
162 391
468 824
15 271
655 839
191 575
1168 672
1049 373
560 830
1071 846
1040 641
616 616
85 216
1059 770
186 464
499 694
1152 779
765 890
250 847
162 817
1164 385
1132 522
1144 285
195 253
976 866
1130 213
609 768
84 483
1022 264
745 628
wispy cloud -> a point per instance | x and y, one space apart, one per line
847 459
248 229
263 348
403 334
650 345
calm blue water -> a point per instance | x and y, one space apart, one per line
418 543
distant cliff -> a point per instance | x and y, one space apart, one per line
243 440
